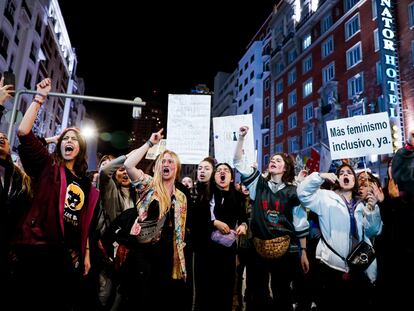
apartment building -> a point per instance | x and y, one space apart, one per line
35 44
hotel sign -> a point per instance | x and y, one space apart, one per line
387 38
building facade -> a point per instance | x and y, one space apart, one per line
326 63
34 44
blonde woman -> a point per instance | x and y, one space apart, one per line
154 234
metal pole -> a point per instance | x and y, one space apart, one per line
64 95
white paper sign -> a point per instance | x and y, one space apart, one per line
359 136
188 126
226 132
155 150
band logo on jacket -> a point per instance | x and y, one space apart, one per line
274 216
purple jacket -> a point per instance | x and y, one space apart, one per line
39 225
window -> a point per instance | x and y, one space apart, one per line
267 102
246 81
326 23
374 9
308 112
292 55
292 121
245 97
308 141
267 84
328 73
266 140
354 55
252 59
279 128
376 40
379 72
355 85
4 44
279 68
411 14
352 27
327 47
28 80
266 160
246 66
412 51
292 144
9 11
349 4
279 148
292 76
279 87
292 99
251 92
250 108
279 107
306 41
307 64
307 88
266 122
252 75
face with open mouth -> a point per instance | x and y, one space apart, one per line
168 167
69 146
223 177
122 177
276 165
4 145
204 171
346 178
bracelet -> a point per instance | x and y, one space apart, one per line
303 248
35 100
150 143
41 95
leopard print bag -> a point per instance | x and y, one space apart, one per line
272 249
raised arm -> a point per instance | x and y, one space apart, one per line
240 141
5 94
43 88
135 156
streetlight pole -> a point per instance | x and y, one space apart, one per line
65 95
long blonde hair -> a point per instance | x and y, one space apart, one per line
26 181
164 197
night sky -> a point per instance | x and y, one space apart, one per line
152 48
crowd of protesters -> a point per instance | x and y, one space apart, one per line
119 238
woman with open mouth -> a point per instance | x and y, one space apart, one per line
226 217
153 231
54 241
279 228
344 221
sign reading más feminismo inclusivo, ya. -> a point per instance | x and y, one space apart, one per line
359 136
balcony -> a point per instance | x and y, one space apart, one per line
289 36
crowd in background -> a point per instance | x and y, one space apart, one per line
121 238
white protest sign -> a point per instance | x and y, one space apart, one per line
226 133
155 150
188 126
359 136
